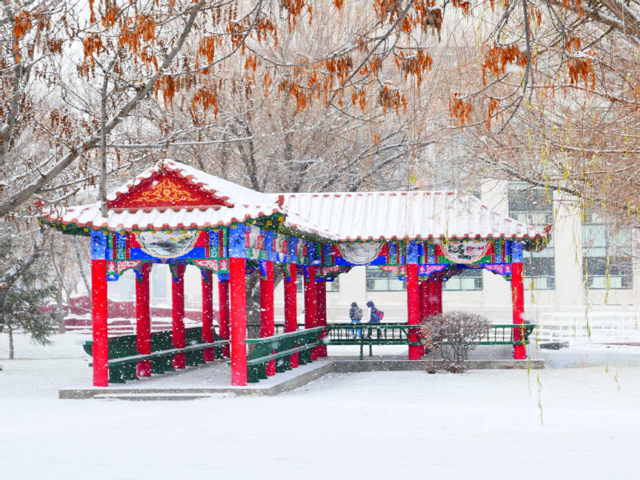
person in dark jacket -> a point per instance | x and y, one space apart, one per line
374 317
355 315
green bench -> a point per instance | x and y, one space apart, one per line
124 356
279 348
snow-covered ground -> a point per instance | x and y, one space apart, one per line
579 418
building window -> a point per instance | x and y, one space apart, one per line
468 279
533 206
606 256
331 286
379 280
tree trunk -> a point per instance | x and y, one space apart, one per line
11 347
61 310
102 187
4 289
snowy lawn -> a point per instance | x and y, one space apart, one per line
386 425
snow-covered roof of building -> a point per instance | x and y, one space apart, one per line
374 216
171 195
231 192
158 219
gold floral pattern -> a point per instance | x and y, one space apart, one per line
166 191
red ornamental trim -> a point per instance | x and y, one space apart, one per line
333 269
427 270
119 267
395 269
211 264
500 269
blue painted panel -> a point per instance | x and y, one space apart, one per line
327 254
269 243
98 245
292 243
412 253
516 254
432 253
311 252
393 252
214 239
121 241
236 241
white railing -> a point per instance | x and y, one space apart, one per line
589 326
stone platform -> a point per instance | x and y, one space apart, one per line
214 379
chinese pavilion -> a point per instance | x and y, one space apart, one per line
177 215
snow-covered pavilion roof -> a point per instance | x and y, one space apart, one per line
375 216
228 191
171 195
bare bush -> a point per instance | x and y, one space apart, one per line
453 335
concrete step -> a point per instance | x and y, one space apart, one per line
145 397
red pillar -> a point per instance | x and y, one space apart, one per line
517 295
423 295
99 314
432 297
310 301
413 309
238 287
437 290
321 311
267 326
290 307
223 313
207 313
143 320
177 315
424 305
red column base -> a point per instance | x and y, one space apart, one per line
143 369
293 361
208 355
415 352
271 368
519 352
180 361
